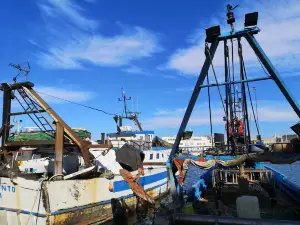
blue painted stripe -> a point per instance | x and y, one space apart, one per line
78 207
123 186
24 212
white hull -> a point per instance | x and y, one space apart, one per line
29 202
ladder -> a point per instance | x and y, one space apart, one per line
32 106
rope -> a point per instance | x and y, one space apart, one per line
75 103
214 72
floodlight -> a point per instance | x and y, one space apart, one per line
187 135
251 19
212 33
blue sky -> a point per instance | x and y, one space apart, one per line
86 51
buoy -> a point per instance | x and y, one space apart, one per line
201 159
111 187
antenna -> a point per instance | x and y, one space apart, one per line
22 70
230 16
124 99
129 114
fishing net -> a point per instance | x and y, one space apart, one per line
38 136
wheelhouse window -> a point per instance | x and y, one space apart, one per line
151 156
157 156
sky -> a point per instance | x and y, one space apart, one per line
86 51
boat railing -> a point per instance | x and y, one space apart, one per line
140 144
230 176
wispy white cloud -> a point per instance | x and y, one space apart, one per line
70 95
66 10
268 111
279 38
135 70
77 40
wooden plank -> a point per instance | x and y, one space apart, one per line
17 85
29 143
100 146
59 145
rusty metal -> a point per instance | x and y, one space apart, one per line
135 186
102 138
7 97
26 112
59 145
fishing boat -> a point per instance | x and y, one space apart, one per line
59 176
240 181
155 151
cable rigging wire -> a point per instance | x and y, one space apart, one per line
75 103
249 93
214 72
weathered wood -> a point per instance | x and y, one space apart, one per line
74 137
29 143
100 146
59 145
18 85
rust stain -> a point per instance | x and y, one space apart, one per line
62 218
18 203
93 190
135 186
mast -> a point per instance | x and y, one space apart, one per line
128 114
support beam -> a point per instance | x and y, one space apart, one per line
74 137
7 96
237 82
26 112
18 85
194 97
273 72
59 145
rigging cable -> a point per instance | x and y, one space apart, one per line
75 103
244 95
254 115
214 72
234 90
209 108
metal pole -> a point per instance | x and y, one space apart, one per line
254 89
209 108
59 145
187 116
7 95
237 82
227 90
194 97
244 98
273 72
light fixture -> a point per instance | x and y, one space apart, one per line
212 33
251 19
